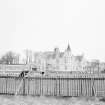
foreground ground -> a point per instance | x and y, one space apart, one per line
19 100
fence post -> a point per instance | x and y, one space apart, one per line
81 86
59 86
23 86
28 86
6 85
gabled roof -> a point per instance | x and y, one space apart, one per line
79 58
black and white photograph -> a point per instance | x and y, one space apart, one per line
52 52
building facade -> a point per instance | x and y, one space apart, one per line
60 61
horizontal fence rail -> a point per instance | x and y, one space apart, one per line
71 85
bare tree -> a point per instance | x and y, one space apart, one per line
9 58
28 56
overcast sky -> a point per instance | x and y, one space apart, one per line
41 25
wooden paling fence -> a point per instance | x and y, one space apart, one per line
72 85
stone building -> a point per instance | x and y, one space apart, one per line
60 61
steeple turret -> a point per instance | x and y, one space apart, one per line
68 48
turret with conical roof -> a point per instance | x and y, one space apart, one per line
67 52
68 48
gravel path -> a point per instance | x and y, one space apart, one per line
19 100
